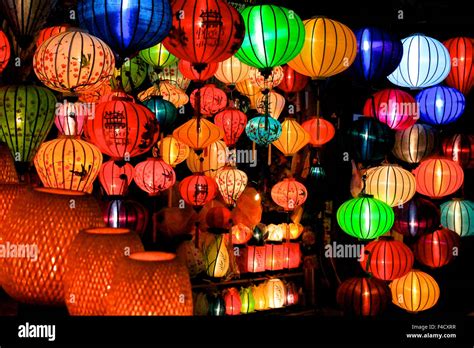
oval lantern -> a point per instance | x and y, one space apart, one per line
165 112
289 194
216 256
198 134
416 217
416 291
154 176
362 296
263 130
157 56
4 51
275 293
233 303
232 121
190 72
460 148
440 105
391 184
425 63
414 144
232 71
275 101
293 81
127 26
330 47
85 62
320 130
293 137
386 259
130 75
458 216
437 249
197 189
393 107
378 54
365 217
248 301
173 151
212 99
201 304
266 82
461 75
274 35
126 214
213 158
70 117
438 177
231 183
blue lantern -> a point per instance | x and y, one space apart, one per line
425 63
440 105
127 26
378 54
263 130
458 216
165 112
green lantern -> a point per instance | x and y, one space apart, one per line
26 117
132 73
158 56
274 35
248 302
365 217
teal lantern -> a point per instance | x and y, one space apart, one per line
26 116
263 130
165 112
132 74
274 35
458 216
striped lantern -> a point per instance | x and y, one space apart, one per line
173 151
275 101
231 183
437 249
275 293
126 214
362 296
266 82
458 216
416 217
293 137
4 51
170 74
461 75
167 91
154 176
197 189
165 112
232 121
320 130
115 178
131 74
414 143
232 71
440 105
289 194
214 157
157 56
198 133
249 90
460 148
46 33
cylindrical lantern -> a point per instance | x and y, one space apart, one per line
263 130
291 255
440 105
293 81
198 134
126 214
266 82
191 256
173 151
190 72
90 267
130 75
461 75
293 137
157 56
254 259
197 189
437 249
154 176
212 99
161 280
414 143
320 130
460 148
274 256
362 296
458 216
437 177
248 301
231 183
289 193
275 293
275 102
232 71
258 293
115 178
216 256
232 121
4 51
415 292
416 217
233 303
210 161
425 62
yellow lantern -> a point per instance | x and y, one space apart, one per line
294 230
275 293
276 104
198 133
216 256
259 296
329 48
232 71
293 137
231 183
173 151
266 82
249 90
169 92
214 158
391 184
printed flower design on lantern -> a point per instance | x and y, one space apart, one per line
263 130
231 183
262 82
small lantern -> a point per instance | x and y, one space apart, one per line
173 151
275 293
248 301
258 293
416 217
233 303
154 176
210 161
212 100
216 256
289 194
232 71
232 121
266 82
437 249
126 214
253 259
197 189
231 183
116 178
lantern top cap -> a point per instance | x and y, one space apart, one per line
152 256
107 230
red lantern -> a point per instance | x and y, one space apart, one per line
219 217
362 296
321 131
126 214
461 75
396 108
154 175
213 99
232 300
387 259
416 217
46 33
438 248
197 189
291 255
241 234
252 259
292 296
116 178
274 256
204 31
460 148
4 51
122 128
293 81
232 121
289 194
190 72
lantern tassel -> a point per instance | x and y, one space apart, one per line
269 155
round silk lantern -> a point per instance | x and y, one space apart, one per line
231 183
362 296
258 293
161 279
386 259
197 189
275 293
198 133
248 301
414 143
289 194
378 54
320 130
232 121
393 107
292 82
212 159
4 51
165 112
73 61
437 249
216 256
329 48
34 220
206 32
425 62
190 72
461 75
130 75
219 218
127 27
71 117
154 176
460 148
191 257
122 128
458 216
273 102
126 214
249 90
68 163
440 105
266 82
293 137
391 184
232 71
437 177
263 130
274 35
216 305
93 256
415 292
416 217
233 303
173 151
212 99
365 217
157 56
26 117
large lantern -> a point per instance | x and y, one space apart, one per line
198 133
437 249
216 256
458 216
425 62
416 217
4 51
126 214
263 130
329 48
273 102
365 217
157 56
293 137
391 184
387 259
274 35
127 26
197 189
68 163
231 183
362 296
232 121
209 31
460 148
231 71
212 100
73 61
414 143
165 112
440 105
173 151
289 194
26 117
131 74
213 158
415 292
154 176
123 129
275 293
320 130
292 81
461 75
233 303
396 108
191 73
437 177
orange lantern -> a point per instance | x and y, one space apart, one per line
233 303
274 256
293 230
320 130
190 72
258 293
210 160
198 133
437 177
289 193
293 137
154 176
212 98
197 189
4 51
232 121
241 234
291 255
275 101
266 82
160 279
173 151
275 293
169 92
249 90
73 61
115 178
232 71
231 183
93 256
